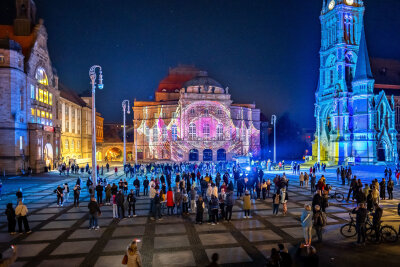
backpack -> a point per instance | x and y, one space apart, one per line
276 199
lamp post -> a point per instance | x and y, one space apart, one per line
125 105
93 76
273 122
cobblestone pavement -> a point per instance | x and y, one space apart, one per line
60 236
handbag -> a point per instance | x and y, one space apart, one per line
125 260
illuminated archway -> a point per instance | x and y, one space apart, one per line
193 155
221 154
114 154
207 155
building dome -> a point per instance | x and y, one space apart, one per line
202 83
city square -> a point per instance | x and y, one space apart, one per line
199 133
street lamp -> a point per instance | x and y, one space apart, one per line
273 122
125 105
92 75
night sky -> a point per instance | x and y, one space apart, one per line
265 51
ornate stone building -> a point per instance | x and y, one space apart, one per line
193 118
75 114
29 131
353 120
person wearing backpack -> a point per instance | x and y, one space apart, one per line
319 221
276 198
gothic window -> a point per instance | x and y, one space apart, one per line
155 134
147 134
192 131
41 76
164 133
206 130
174 132
219 112
220 132
331 77
192 111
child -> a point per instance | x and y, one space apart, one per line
10 213
246 204
200 210
115 210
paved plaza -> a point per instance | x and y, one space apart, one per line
60 236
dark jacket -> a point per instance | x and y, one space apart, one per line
361 215
377 215
93 207
120 199
131 198
229 198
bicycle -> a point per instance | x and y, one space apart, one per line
350 230
337 195
386 234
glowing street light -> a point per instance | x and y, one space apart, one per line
125 109
93 76
273 122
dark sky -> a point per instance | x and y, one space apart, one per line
265 50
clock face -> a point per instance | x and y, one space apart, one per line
332 4
350 2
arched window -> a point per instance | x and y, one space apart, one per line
155 134
206 130
192 111
174 132
164 133
41 76
66 144
220 132
72 145
192 131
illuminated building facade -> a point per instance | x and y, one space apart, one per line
29 132
75 116
352 120
193 118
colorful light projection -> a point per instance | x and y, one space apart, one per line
199 125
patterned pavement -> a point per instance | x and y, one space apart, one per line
60 236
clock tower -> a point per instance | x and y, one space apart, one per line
344 109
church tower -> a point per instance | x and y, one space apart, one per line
25 17
341 28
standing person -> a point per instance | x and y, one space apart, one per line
313 180
193 194
157 206
185 203
301 179
199 210
382 190
133 256
60 196
108 194
66 192
306 223
120 204
136 184
390 186
126 186
376 220
21 211
246 204
114 206
99 191
306 179
229 203
264 188
131 199
361 218
214 209
145 186
10 213
276 198
286 259
116 171
77 192
178 202
94 212
319 221
317 200
170 202
284 199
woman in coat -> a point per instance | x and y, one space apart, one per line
306 223
134 258
170 202
246 204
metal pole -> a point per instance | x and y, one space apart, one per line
273 119
94 165
123 107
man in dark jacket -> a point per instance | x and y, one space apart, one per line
136 184
228 204
99 191
157 206
317 200
319 221
146 186
131 199
376 220
361 218
120 204
94 212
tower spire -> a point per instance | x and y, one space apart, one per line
363 67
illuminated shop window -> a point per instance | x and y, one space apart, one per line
45 97
33 111
174 132
50 99
155 134
33 92
41 76
40 95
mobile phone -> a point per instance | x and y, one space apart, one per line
138 240
12 247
